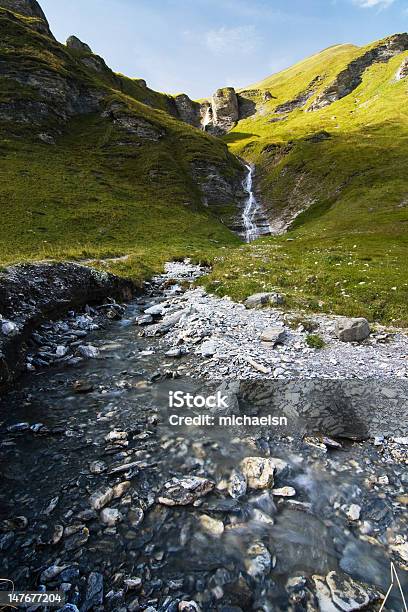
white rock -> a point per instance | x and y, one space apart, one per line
88 351
208 348
353 512
114 436
9 328
61 351
111 517
284 492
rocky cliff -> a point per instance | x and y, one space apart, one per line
48 85
29 8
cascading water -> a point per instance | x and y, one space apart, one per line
254 220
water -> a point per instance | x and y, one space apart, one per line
169 549
254 219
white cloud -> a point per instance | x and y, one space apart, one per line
242 40
379 4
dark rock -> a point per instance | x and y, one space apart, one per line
94 592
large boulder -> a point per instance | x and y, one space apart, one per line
352 330
29 8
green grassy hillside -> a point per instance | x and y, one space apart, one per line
346 167
92 164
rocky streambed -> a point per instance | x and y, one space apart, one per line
104 500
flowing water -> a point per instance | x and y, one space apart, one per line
254 218
262 549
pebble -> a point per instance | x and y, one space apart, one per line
111 517
184 491
100 498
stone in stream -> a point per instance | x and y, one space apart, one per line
274 335
18 427
258 300
259 561
188 606
94 592
348 594
111 517
237 485
145 319
211 526
120 489
258 472
115 436
82 386
133 584
284 492
352 330
9 328
155 311
61 350
88 351
52 572
353 512
97 467
100 498
185 491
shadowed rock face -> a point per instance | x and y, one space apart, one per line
29 8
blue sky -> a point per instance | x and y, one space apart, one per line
196 46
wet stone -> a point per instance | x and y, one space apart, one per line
184 491
258 472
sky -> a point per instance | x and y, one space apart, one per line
197 46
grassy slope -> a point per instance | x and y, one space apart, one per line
89 196
347 253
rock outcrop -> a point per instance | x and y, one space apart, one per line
402 72
188 110
351 77
216 116
32 293
29 8
300 100
75 43
225 109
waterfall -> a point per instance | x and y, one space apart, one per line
254 219
207 118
